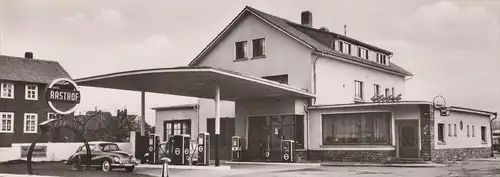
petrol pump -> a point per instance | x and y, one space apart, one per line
203 149
236 148
181 150
287 151
153 155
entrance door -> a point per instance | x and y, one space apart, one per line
408 138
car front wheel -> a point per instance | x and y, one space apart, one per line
129 169
106 166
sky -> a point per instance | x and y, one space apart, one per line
452 47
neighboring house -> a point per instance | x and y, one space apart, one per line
346 76
22 98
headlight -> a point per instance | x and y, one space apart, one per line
117 159
133 159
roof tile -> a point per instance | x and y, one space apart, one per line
30 70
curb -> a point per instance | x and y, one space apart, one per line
19 175
430 165
272 163
185 167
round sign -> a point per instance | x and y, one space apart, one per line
177 151
63 96
200 148
267 154
286 156
186 151
150 148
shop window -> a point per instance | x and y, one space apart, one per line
278 78
483 134
176 127
440 132
259 48
357 128
241 50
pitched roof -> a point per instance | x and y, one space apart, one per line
30 70
315 39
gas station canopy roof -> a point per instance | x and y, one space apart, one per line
194 82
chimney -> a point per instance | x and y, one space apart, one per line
28 55
306 18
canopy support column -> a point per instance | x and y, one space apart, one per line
217 123
142 120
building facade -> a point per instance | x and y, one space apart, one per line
359 111
22 97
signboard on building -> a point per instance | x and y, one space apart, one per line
38 151
385 99
63 96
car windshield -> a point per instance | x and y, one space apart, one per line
110 147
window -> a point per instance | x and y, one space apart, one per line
109 147
441 133
455 129
176 127
362 53
376 89
381 58
483 134
468 131
259 48
53 116
6 122
241 50
345 47
393 92
30 123
358 89
387 92
31 92
7 90
357 128
473 132
279 78
449 129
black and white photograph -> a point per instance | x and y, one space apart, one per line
246 88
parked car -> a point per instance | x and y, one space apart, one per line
104 155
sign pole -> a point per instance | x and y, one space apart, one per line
217 123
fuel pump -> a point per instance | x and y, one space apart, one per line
180 155
236 148
203 149
153 155
287 151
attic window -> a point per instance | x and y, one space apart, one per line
345 47
363 53
241 50
382 59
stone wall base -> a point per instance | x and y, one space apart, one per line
458 154
351 156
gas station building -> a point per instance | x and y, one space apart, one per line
336 97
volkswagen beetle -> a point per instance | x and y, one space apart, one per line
104 155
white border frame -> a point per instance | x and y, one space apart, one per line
11 123
52 105
36 122
13 90
26 92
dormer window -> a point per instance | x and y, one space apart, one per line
345 47
363 53
382 59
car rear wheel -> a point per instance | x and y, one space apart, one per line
106 166
129 169
76 165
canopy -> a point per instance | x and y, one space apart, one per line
198 82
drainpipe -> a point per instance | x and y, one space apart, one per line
314 75
307 130
491 133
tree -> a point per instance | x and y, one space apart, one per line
117 128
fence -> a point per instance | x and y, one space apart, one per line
47 151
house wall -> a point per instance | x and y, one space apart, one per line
335 81
284 55
19 106
178 114
461 146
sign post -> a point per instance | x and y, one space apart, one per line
63 97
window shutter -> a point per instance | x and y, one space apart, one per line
341 46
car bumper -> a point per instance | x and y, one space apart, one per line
124 165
